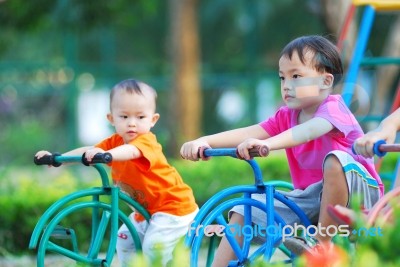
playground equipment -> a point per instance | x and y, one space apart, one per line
360 60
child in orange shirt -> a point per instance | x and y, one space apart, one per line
141 170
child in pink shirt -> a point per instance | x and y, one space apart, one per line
305 160
317 131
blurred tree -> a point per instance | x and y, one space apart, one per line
186 99
214 46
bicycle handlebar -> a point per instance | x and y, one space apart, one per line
56 159
48 160
381 148
98 158
262 151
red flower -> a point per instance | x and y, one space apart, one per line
326 255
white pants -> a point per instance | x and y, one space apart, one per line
163 231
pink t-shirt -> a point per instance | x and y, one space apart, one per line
306 160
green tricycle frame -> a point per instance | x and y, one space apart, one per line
106 216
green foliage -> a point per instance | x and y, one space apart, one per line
30 136
18 13
25 195
385 247
209 177
74 13
371 251
180 258
113 40
373 246
27 192
367 251
387 169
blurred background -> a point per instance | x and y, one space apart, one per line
212 62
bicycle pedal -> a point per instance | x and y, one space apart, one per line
60 232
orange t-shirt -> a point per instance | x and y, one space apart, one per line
150 180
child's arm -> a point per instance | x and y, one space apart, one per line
232 138
75 152
119 153
78 151
386 130
302 133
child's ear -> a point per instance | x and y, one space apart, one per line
110 118
327 81
155 118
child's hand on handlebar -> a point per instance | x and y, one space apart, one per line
191 150
244 147
365 145
44 157
89 154
42 153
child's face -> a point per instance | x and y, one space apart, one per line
132 114
302 86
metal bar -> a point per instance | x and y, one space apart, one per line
359 49
372 61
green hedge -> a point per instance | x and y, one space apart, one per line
24 196
27 192
208 177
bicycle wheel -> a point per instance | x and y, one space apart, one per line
101 213
203 243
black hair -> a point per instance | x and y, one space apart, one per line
132 86
326 56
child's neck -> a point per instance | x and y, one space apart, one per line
304 116
307 113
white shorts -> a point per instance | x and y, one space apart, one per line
163 230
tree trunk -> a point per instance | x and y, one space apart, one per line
186 99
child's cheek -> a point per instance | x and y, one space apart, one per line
307 91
